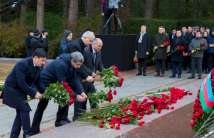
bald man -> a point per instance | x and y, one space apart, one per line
92 64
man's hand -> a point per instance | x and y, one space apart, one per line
211 45
154 49
161 45
89 79
193 51
38 95
147 53
94 75
80 98
102 14
84 95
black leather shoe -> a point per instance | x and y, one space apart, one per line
191 77
67 120
60 123
138 74
172 76
144 74
199 77
34 133
26 136
157 75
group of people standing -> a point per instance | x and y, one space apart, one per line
79 60
189 48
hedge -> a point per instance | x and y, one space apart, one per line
12 35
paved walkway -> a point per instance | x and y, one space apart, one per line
133 86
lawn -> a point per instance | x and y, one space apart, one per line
5 68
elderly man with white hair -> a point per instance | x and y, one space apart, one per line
80 44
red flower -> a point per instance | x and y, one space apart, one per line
101 125
115 92
71 100
190 93
109 96
118 126
121 79
116 70
70 91
166 42
140 123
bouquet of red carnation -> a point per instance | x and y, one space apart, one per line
111 77
61 93
166 42
111 80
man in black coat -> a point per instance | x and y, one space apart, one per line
161 42
177 51
23 81
80 44
61 69
37 41
92 64
142 49
27 43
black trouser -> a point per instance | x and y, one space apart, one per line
43 103
22 119
187 63
176 68
205 61
80 107
196 63
142 62
210 61
160 66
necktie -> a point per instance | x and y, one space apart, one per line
141 37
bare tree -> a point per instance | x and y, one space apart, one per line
65 8
40 15
22 12
72 12
90 6
149 8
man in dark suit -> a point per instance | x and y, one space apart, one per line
142 50
92 64
23 81
61 69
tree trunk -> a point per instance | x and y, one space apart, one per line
149 8
72 13
40 15
65 8
22 13
90 5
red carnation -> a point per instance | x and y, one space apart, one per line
70 91
101 125
71 100
115 92
116 70
140 123
109 95
166 42
118 126
121 79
